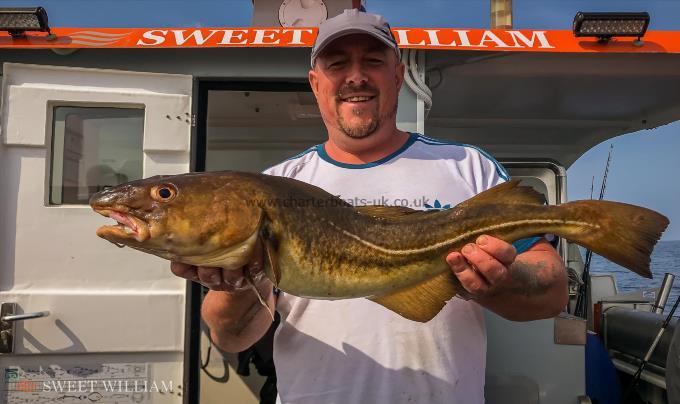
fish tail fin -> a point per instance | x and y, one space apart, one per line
630 235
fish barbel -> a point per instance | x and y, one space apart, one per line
318 246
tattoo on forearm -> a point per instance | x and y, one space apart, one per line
529 279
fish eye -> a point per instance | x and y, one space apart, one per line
163 193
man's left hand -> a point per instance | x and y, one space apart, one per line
482 267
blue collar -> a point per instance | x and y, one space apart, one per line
321 150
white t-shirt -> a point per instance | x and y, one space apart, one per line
357 351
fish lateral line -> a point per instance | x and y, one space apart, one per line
463 236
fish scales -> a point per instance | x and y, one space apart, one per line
322 247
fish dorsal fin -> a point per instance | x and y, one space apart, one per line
507 193
389 212
423 301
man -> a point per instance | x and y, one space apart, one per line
352 351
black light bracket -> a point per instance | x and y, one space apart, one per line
605 26
17 20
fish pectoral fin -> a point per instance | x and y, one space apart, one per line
508 193
423 301
388 212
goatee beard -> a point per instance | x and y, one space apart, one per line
359 131
367 127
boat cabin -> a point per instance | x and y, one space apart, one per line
92 108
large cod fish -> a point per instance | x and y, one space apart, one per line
318 246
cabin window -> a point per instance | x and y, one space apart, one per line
93 148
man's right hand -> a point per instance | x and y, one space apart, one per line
231 309
226 280
223 279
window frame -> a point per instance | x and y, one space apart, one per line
50 123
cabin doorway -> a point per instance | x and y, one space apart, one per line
246 126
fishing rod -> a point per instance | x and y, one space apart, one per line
650 351
581 310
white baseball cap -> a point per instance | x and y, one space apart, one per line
353 21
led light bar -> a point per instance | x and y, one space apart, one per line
18 20
607 25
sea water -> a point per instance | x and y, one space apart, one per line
665 258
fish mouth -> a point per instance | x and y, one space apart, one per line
128 228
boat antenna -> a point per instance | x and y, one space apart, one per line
581 309
650 351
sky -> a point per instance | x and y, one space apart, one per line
549 14
644 166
